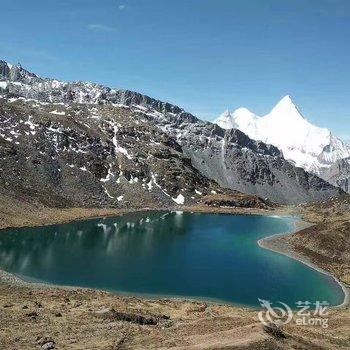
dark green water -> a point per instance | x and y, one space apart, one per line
207 256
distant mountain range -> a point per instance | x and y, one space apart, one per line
305 145
83 144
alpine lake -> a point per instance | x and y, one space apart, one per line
211 257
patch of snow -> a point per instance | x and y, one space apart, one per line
117 148
109 175
107 193
15 133
180 199
154 181
31 125
133 180
57 112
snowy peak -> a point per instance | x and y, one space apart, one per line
243 113
301 142
241 116
226 121
287 129
286 108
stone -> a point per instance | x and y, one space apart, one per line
48 345
274 330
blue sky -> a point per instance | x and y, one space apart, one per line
203 55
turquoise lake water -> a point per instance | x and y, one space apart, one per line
204 256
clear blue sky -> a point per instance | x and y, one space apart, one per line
203 55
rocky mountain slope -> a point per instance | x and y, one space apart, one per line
305 145
87 155
83 144
339 174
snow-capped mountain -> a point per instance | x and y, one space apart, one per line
306 145
79 143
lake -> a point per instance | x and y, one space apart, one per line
195 255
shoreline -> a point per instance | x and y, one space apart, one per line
270 243
265 243
98 213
